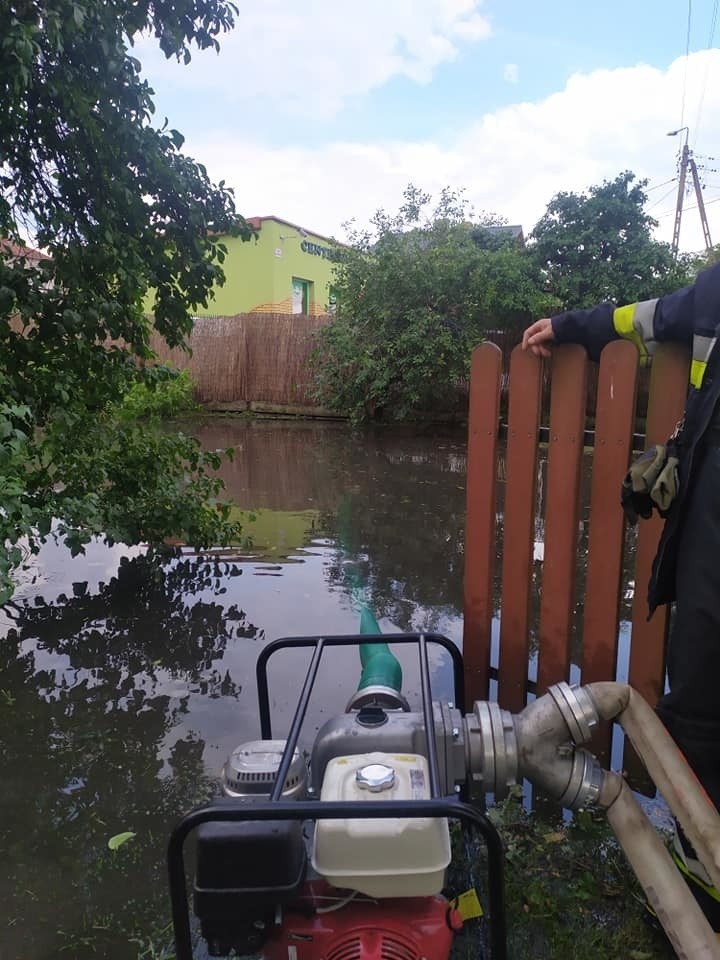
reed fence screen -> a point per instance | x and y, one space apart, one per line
249 358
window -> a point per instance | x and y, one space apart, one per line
301 295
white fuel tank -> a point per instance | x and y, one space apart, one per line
398 857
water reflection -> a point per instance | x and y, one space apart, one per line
92 686
124 682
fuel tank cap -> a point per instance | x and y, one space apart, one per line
375 777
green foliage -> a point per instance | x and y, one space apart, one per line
137 485
120 211
167 394
415 294
597 246
569 890
693 263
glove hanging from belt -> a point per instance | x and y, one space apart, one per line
651 481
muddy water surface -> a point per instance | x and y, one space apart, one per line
124 684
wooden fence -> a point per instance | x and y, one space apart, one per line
604 581
250 361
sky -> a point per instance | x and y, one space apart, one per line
320 112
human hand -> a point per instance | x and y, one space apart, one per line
538 336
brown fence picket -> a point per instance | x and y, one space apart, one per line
480 518
668 390
614 420
567 423
518 527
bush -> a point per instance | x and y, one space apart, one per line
166 394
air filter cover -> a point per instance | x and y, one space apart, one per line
250 771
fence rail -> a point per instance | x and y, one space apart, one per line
567 592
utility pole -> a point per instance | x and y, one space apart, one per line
701 206
688 161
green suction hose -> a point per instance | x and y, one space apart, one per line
380 667
381 676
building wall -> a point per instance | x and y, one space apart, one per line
260 272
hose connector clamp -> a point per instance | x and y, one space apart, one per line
578 710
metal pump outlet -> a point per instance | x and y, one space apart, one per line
543 744
489 748
538 744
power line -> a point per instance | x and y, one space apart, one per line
713 25
687 55
662 198
670 213
656 186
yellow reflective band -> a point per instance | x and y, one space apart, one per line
683 868
697 372
623 322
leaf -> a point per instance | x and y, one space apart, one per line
81 313
114 843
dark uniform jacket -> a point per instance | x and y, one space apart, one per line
690 316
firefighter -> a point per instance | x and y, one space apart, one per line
686 568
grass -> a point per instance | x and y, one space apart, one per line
570 893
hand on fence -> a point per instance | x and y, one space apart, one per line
538 337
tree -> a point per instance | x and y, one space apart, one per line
598 246
416 292
120 211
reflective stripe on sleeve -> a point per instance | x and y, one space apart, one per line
697 372
702 348
635 322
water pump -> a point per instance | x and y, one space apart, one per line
343 855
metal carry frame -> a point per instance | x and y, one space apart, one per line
277 809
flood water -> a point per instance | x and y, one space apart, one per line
124 685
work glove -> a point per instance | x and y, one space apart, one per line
666 486
640 480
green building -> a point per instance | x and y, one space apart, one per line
286 270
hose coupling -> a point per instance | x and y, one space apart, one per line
586 780
578 710
492 749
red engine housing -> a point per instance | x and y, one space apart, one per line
396 929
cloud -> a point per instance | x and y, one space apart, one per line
511 161
311 61
511 73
